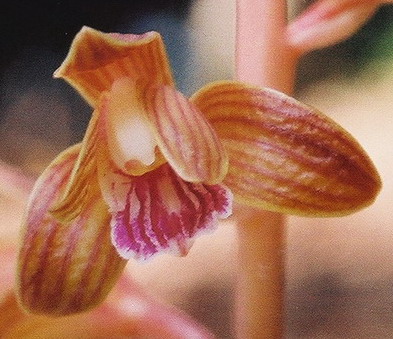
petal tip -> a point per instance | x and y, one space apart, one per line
96 59
286 156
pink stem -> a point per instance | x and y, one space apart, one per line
262 58
262 55
260 286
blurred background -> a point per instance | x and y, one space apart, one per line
339 271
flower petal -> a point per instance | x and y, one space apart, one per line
159 212
185 137
82 183
328 22
65 268
96 59
286 156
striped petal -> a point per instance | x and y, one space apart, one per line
65 268
97 59
82 183
286 156
159 212
185 137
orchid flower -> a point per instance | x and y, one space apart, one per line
155 169
327 22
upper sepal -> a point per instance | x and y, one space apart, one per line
286 156
97 59
64 268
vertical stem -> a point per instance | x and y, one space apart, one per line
260 297
262 58
262 55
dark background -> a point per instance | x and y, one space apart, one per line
53 24
30 29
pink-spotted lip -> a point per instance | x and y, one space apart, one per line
164 214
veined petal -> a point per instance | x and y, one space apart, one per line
82 183
286 156
97 59
185 137
65 268
159 212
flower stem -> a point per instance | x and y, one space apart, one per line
261 275
262 58
262 54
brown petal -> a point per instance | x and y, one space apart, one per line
82 182
185 137
285 156
65 268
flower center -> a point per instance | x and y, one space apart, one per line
131 141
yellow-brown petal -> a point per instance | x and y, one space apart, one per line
286 156
97 59
83 182
64 268
185 137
